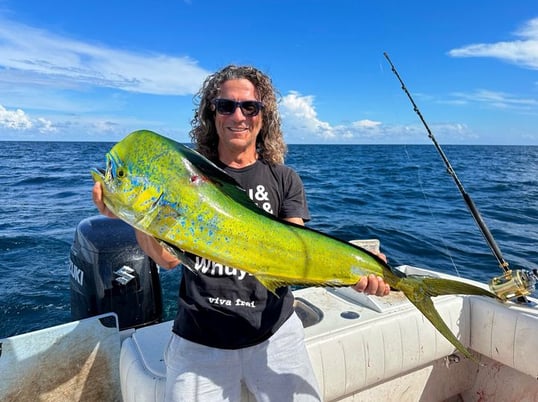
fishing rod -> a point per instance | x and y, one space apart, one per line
513 283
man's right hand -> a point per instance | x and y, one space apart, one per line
146 242
97 196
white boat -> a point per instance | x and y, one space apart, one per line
363 348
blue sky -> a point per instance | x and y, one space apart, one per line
95 71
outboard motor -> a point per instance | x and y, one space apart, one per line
110 273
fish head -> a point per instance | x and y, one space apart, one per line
164 188
130 190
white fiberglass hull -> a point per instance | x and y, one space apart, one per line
362 348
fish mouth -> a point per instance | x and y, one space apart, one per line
105 175
99 171
98 175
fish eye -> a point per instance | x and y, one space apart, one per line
121 173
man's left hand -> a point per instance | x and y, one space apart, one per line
372 285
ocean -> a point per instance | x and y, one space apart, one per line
400 194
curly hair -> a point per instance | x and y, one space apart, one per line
269 143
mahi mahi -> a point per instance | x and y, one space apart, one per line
174 194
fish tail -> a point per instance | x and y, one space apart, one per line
420 289
442 286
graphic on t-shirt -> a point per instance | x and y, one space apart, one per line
229 303
261 197
213 268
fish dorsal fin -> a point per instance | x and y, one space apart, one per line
226 184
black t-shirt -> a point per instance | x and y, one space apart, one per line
225 307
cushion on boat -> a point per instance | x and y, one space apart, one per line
142 369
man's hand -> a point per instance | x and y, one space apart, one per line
97 195
146 242
372 285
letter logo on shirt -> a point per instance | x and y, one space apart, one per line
261 197
213 268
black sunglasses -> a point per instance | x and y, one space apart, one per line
227 107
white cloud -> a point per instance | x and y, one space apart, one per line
18 120
301 124
300 117
34 55
45 126
498 100
366 123
523 51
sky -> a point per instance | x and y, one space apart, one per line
95 71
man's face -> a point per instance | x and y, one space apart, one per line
237 132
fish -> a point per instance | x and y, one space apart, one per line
173 193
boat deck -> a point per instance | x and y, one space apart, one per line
362 348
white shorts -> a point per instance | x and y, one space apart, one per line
278 369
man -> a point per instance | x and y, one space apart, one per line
229 328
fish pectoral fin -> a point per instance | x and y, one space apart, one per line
185 259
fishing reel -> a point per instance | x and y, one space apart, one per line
514 283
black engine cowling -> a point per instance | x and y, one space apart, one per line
110 273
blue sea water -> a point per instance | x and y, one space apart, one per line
400 194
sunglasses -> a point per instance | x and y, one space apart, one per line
227 107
